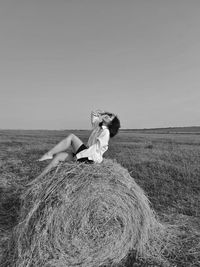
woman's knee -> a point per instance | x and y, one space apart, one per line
69 138
76 142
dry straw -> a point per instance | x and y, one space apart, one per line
85 215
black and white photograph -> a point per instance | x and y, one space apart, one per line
99 133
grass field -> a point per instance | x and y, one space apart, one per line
165 165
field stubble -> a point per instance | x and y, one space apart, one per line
166 166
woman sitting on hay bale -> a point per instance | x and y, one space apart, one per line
104 124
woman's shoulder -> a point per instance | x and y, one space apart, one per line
104 128
104 131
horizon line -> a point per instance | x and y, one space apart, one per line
133 129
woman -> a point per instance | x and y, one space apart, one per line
105 125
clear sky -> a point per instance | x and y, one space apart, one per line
60 59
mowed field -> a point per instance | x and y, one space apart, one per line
166 165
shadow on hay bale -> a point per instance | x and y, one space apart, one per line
84 215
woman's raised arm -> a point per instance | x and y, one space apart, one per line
96 117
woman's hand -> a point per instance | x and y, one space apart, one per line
99 112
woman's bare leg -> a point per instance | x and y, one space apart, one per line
56 160
70 141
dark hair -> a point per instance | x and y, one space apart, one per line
114 126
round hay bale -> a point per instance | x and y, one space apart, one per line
85 215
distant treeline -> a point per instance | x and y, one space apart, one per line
192 129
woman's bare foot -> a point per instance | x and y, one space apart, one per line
45 157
